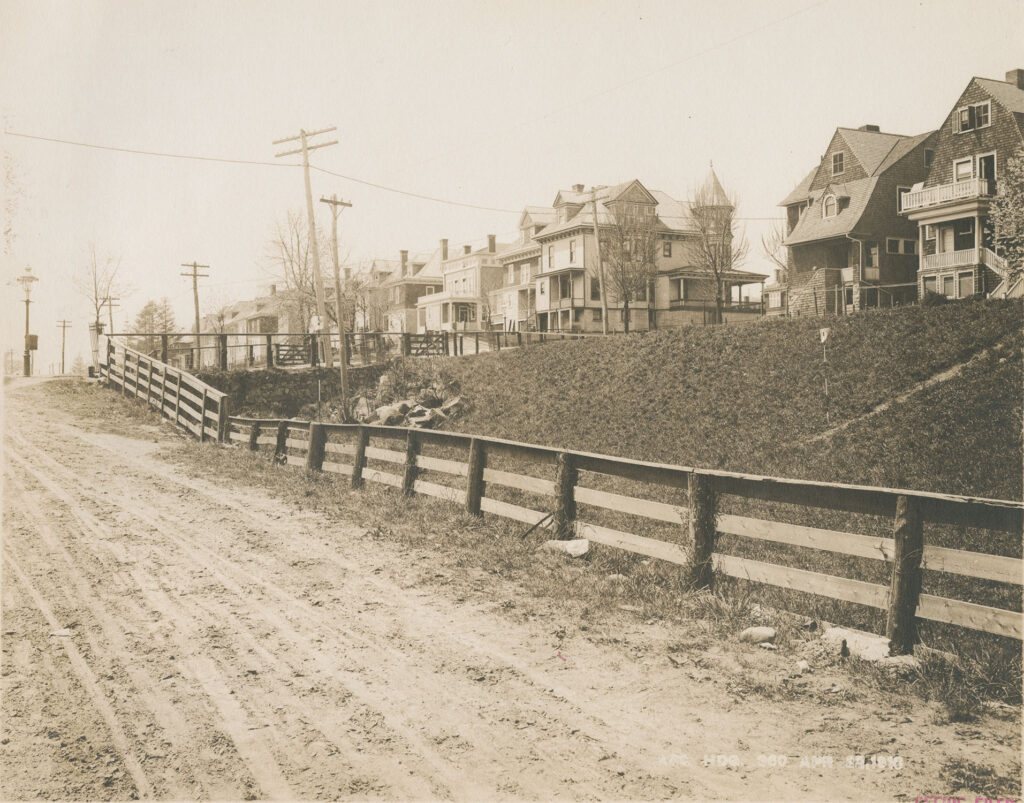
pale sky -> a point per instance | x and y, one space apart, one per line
498 105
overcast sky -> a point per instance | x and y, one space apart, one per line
497 105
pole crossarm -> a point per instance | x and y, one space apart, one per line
306 133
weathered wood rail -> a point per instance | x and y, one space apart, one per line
346 448
189 402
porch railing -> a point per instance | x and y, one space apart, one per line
944 193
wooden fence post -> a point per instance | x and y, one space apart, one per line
406 344
177 399
149 383
359 461
315 447
164 342
124 374
281 447
565 491
412 449
223 424
202 418
270 352
223 351
703 504
475 475
254 436
901 626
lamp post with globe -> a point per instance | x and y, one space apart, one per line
26 280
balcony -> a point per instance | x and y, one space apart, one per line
968 257
946 193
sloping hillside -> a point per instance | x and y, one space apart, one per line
751 398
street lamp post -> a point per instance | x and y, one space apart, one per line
26 280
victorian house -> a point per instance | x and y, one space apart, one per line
463 303
514 305
950 204
417 276
848 247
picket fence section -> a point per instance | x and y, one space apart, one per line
199 408
345 449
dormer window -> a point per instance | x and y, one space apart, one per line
838 166
978 115
829 206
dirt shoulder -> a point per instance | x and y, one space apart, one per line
172 629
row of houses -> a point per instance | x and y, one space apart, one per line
884 219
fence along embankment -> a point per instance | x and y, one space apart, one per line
689 515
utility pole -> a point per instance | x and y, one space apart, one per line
196 276
336 209
63 326
318 279
110 303
600 264
26 280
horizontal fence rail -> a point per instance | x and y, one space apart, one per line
187 401
346 449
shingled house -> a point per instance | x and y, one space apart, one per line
950 205
848 247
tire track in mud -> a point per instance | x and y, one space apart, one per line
88 682
562 744
444 709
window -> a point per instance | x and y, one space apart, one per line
666 250
987 165
572 252
429 291
595 315
948 286
964 227
511 274
910 246
828 208
444 313
929 232
963 170
551 257
930 284
965 283
837 163
641 294
675 289
849 295
900 192
540 287
929 157
595 289
871 254
775 299
892 245
577 315
978 115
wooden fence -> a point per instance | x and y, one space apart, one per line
346 448
189 402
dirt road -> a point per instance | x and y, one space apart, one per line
169 637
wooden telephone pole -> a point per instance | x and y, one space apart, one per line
336 209
110 303
63 326
196 276
318 279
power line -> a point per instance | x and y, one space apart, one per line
353 179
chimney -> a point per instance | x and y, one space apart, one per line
405 262
467 249
491 244
1016 77
577 188
444 250
869 127
273 289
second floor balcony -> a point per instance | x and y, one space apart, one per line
947 193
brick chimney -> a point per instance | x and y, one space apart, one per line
444 250
491 243
1016 77
870 127
405 262
467 249
577 188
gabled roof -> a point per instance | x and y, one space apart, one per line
812 226
543 215
1009 95
901 149
802 190
869 148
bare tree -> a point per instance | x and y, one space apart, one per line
630 250
772 245
717 248
98 281
291 252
